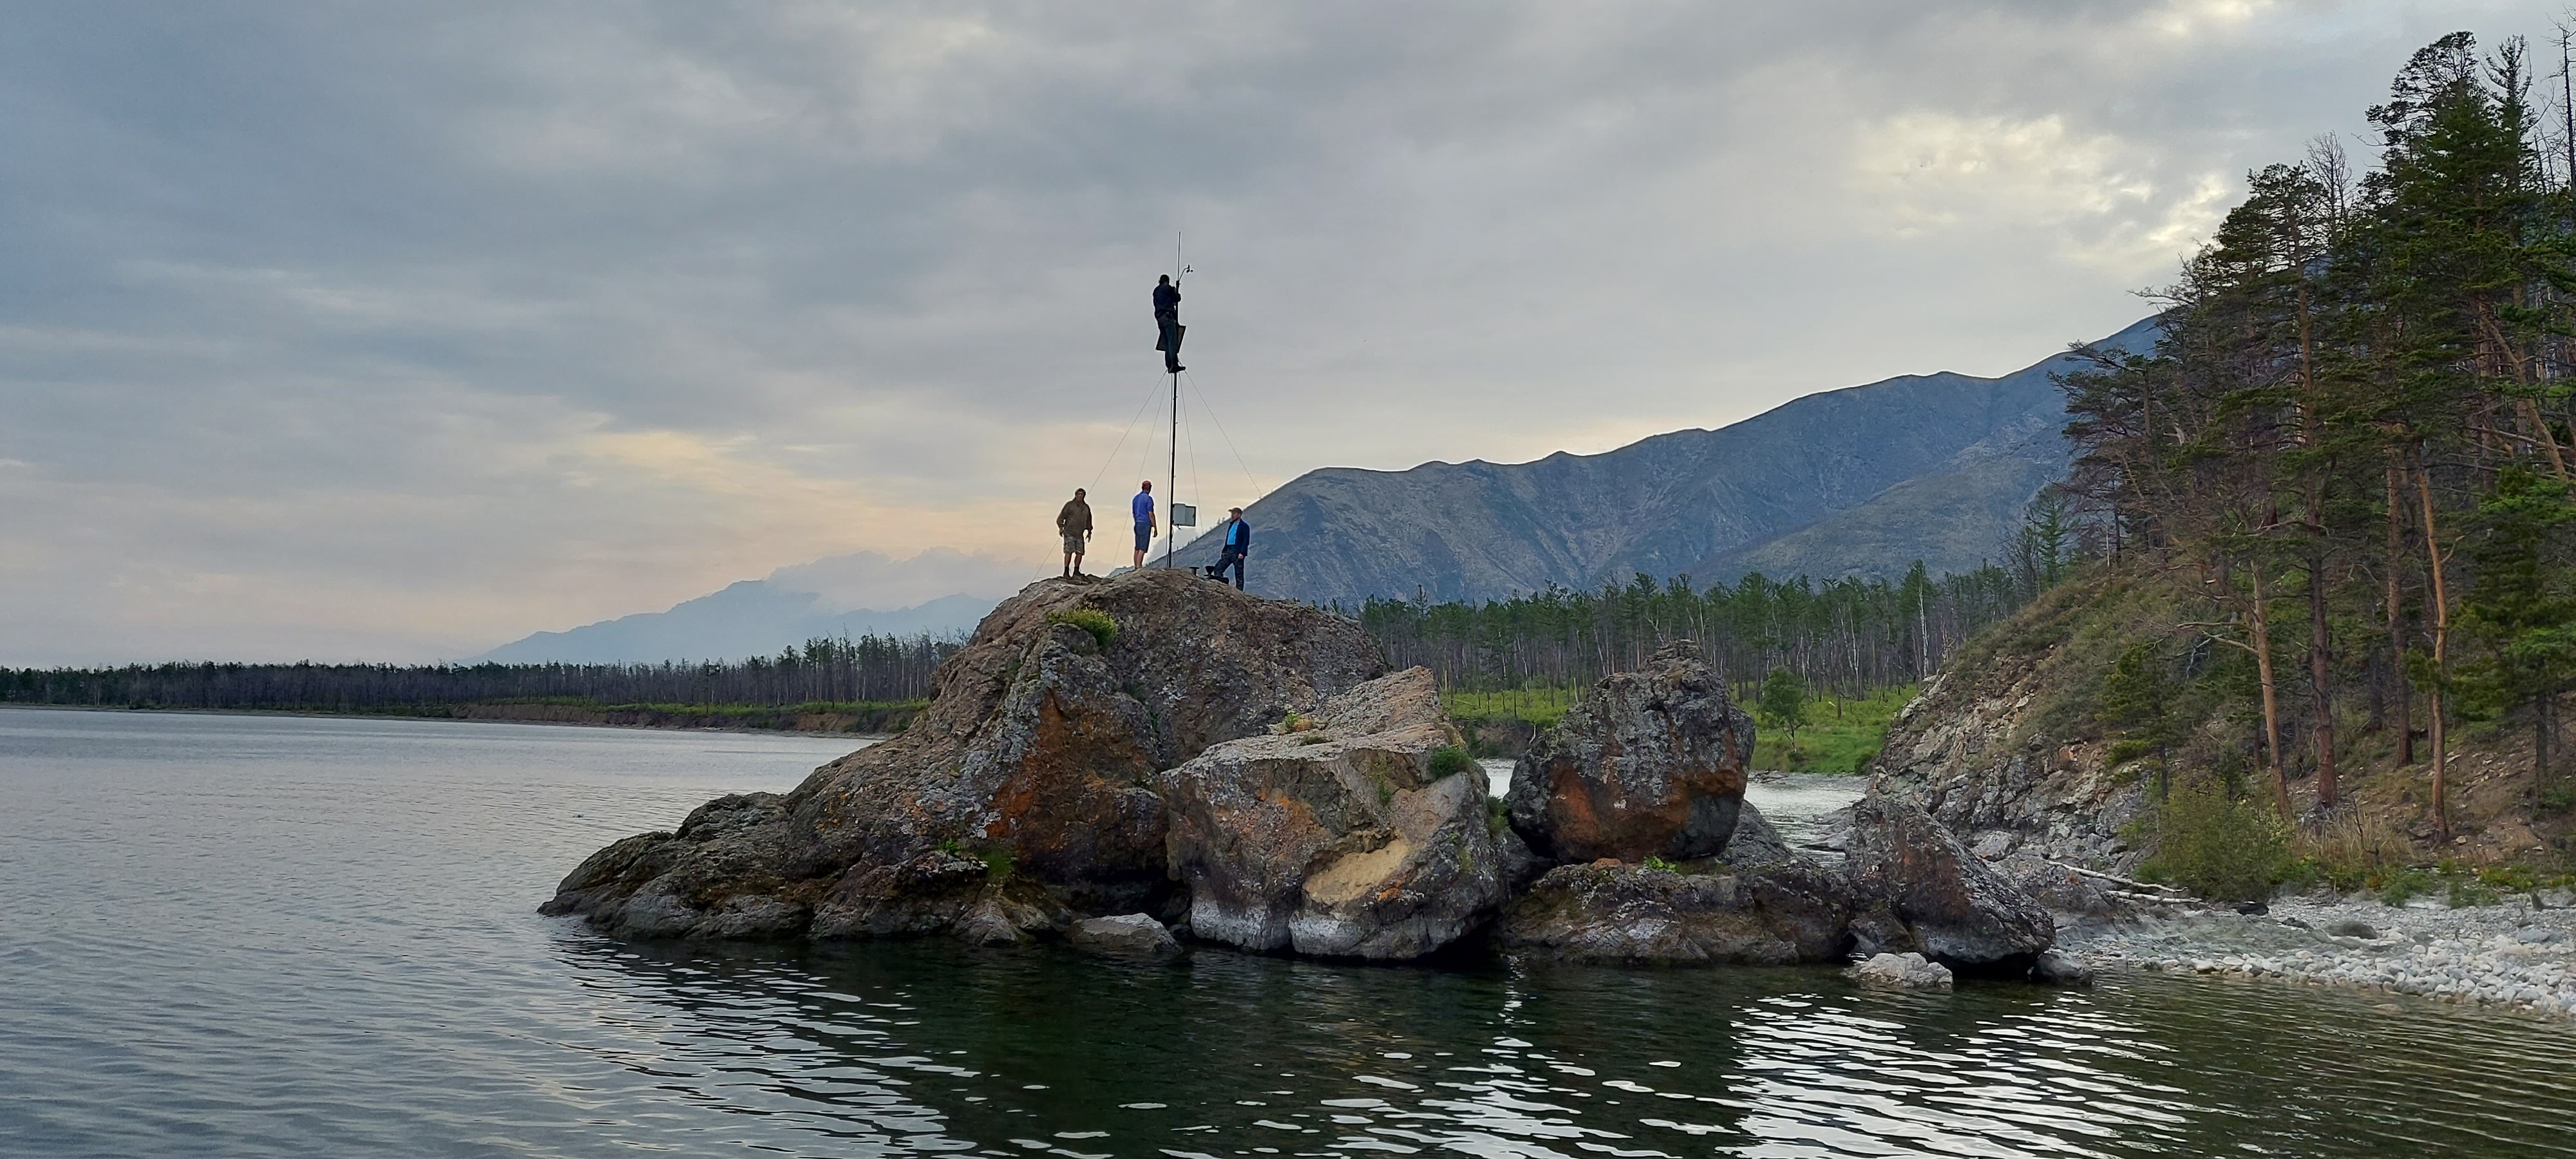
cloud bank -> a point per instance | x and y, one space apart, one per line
385 334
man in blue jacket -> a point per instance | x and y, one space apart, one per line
1238 543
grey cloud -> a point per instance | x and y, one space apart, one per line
470 320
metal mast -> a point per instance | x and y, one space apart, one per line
1172 468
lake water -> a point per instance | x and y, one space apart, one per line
234 936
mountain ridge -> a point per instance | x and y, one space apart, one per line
1931 466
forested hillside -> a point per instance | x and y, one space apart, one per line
2334 500
1851 637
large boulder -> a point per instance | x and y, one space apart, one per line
1650 764
1781 912
1362 831
1033 767
1916 887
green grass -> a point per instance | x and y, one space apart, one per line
1845 734
1844 737
1100 624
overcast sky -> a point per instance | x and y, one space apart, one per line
396 332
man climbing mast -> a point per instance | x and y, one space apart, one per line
1167 320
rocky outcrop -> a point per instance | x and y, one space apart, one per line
1977 748
1779 913
1160 745
1361 832
1033 766
1650 764
1916 887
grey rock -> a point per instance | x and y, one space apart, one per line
1994 844
2069 896
1755 841
1778 913
933 893
1916 887
2059 968
1339 839
2352 929
1125 935
1906 971
1650 764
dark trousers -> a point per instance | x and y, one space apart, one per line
1230 559
1170 341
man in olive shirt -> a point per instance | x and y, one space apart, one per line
1074 524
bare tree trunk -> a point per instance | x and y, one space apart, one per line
2397 623
2320 643
2548 439
2441 617
2261 621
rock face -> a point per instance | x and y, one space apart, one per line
1651 764
1779 913
1755 842
1349 836
1023 794
1915 887
1907 971
1972 746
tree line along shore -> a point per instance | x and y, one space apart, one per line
1834 660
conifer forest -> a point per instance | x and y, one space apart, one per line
2346 461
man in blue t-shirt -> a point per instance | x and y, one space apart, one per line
1143 506
1238 543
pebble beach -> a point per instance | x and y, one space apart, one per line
2517 954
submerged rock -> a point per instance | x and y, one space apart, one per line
1778 913
1650 764
1906 971
1126 935
1915 887
1033 766
1352 836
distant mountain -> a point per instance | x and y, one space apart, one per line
1860 481
750 618
792 605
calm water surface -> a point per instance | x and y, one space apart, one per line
226 936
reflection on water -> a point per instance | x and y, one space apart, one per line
230 936
925 1047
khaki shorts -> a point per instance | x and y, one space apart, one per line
1073 544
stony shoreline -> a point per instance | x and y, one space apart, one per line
2519 954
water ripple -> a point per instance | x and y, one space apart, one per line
233 936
